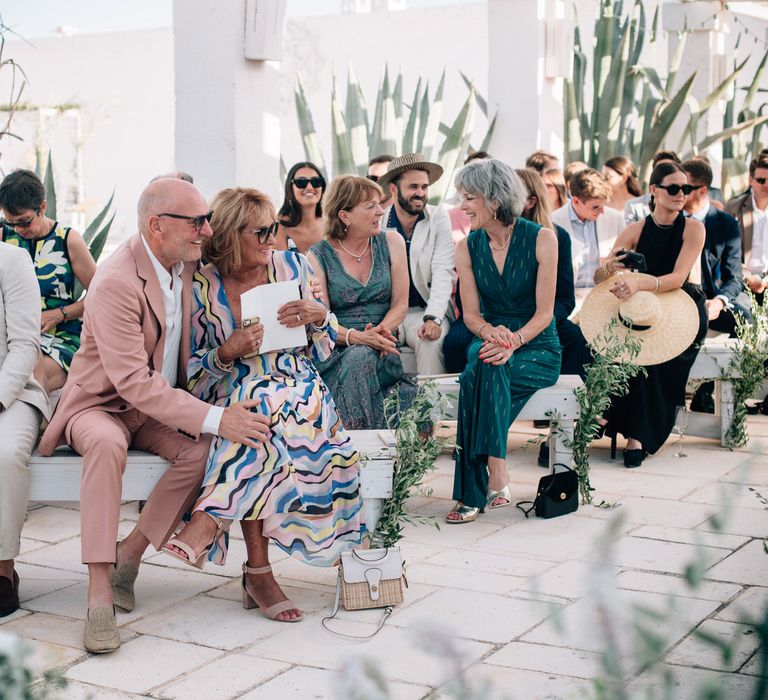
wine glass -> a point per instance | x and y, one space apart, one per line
681 423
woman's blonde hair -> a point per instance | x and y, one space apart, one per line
539 213
344 193
556 179
233 210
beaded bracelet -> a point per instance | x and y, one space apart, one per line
219 365
324 325
522 339
346 338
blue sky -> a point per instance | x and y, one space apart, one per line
38 18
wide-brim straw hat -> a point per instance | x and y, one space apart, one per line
410 161
665 323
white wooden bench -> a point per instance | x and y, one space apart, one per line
557 400
57 478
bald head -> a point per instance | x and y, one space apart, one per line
167 196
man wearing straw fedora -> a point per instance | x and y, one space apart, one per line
426 229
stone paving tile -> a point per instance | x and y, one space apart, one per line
558 539
696 652
677 534
570 580
658 511
62 631
156 589
581 624
715 462
51 524
35 581
748 522
752 603
222 678
672 557
302 683
754 666
545 659
676 585
412 664
753 473
29 545
722 493
689 681
516 683
141 664
484 561
62 555
207 621
642 483
450 536
85 691
748 565
310 598
46 656
493 618
463 578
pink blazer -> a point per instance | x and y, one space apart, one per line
121 354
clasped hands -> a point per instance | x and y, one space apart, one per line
377 337
500 343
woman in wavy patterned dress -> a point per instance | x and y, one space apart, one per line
61 258
300 489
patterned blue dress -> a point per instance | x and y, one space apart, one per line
57 288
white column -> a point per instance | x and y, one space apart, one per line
706 53
528 46
227 129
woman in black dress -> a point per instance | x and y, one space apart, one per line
672 247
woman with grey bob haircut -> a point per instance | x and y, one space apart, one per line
508 272
497 183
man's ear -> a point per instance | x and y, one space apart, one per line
43 206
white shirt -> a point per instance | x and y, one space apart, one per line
170 286
758 258
585 248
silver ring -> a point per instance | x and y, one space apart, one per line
246 323
298 317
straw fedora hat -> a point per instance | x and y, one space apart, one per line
410 161
665 323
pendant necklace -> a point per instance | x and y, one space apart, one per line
505 246
357 256
662 225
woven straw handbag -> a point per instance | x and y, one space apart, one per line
369 578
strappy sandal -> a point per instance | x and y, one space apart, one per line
495 495
273 610
192 557
466 514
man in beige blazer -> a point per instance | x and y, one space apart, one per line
22 402
126 388
593 227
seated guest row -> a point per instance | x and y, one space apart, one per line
168 362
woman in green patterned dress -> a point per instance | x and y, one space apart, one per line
508 272
60 256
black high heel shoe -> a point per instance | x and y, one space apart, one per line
634 458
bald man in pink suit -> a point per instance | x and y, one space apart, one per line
126 388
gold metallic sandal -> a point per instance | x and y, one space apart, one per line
466 514
495 495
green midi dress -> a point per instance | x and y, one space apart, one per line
490 396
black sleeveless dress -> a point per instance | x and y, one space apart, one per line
647 411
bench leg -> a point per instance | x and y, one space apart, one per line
371 510
726 408
558 450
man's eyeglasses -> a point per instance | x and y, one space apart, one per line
302 182
19 224
264 232
760 180
373 178
196 221
673 190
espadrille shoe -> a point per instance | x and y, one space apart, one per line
122 577
100 635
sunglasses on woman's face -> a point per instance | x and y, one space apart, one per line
302 182
674 189
263 233
26 223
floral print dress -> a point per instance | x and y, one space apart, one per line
50 256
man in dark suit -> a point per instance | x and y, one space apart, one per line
721 270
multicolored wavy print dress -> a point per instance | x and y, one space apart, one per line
304 483
57 288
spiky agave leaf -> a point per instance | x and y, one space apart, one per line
92 229
427 145
343 162
409 136
454 148
384 138
356 117
50 189
312 150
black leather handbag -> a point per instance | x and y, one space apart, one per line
558 494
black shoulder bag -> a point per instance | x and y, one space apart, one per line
558 494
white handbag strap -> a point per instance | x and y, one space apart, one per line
351 637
